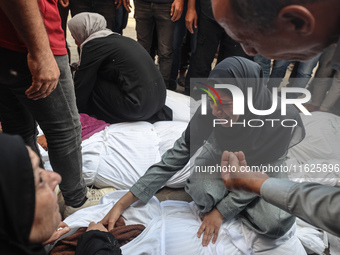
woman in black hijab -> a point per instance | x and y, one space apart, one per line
117 80
17 198
263 146
29 212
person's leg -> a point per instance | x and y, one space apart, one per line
323 78
144 23
265 64
179 34
301 75
165 35
118 20
57 116
208 38
229 48
107 8
15 118
278 73
78 6
333 94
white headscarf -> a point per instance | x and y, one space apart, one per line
87 26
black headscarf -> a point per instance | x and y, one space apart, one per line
263 144
17 198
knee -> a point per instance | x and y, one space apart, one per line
205 193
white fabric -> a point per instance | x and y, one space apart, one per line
119 155
330 175
183 107
311 237
322 138
171 228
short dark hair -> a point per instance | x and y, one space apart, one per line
261 13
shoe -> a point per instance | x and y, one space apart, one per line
93 197
181 81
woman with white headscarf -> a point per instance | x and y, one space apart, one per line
117 80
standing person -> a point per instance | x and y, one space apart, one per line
117 80
265 146
326 84
107 8
31 92
211 39
159 15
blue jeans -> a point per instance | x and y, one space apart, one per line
299 78
156 15
56 114
265 64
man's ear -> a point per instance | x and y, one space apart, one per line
297 19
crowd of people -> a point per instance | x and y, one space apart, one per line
118 81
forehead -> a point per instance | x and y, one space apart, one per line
223 94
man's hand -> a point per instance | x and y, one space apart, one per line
61 230
125 3
210 226
191 20
45 75
176 10
64 3
237 177
96 226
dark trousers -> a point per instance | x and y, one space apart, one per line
150 16
107 8
56 114
210 36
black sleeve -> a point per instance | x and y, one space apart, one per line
97 242
86 77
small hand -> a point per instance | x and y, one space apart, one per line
118 3
64 3
210 226
112 216
191 20
96 226
125 3
45 75
61 230
176 10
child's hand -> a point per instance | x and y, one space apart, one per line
210 226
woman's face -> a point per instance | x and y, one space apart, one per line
224 111
46 213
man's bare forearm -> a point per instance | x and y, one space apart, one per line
26 18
